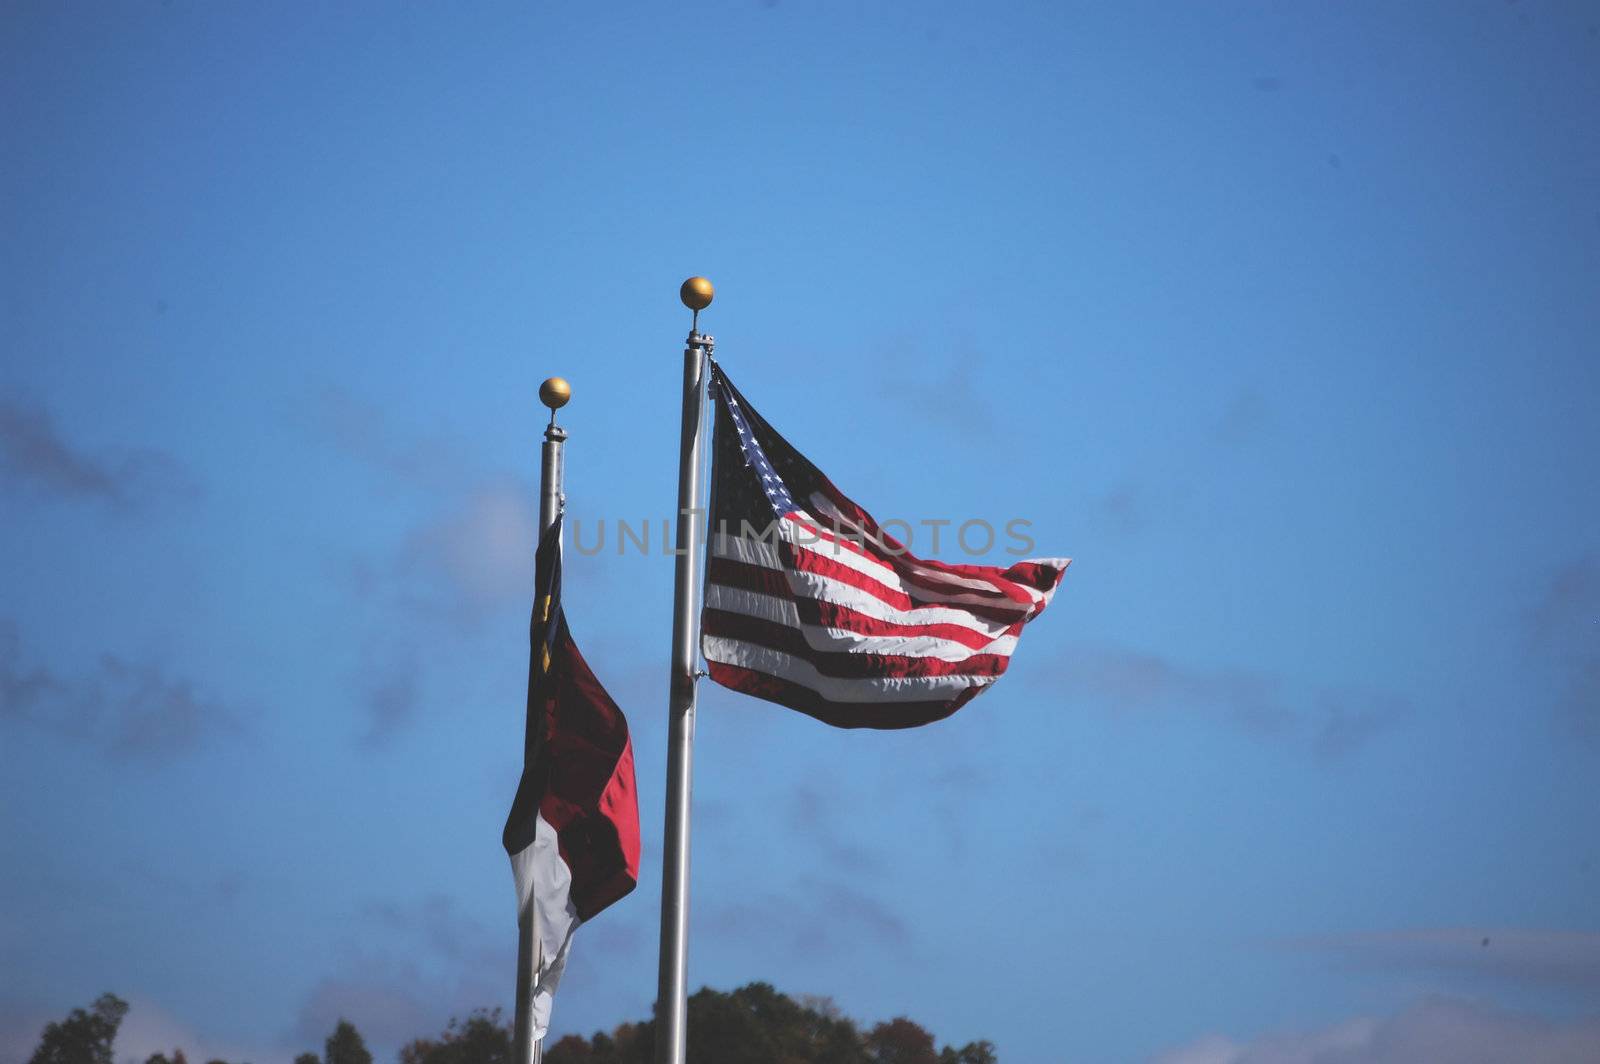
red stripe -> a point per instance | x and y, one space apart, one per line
807 561
1002 578
903 562
758 579
747 576
1037 575
839 714
845 664
811 562
835 615
904 566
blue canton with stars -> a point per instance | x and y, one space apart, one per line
755 457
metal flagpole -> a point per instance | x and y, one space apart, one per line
672 989
554 393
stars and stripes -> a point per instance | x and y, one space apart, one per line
810 604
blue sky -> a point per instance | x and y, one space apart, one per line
1279 319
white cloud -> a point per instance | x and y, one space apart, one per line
473 558
148 1029
1438 1029
485 549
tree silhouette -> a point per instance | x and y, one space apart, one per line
345 1046
84 1037
161 1058
899 1041
971 1053
756 1024
482 1039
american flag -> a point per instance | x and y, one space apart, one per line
810 604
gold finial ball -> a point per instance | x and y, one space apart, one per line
696 293
555 392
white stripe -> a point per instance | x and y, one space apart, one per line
911 563
1042 598
835 689
802 538
544 879
798 535
907 560
829 589
833 639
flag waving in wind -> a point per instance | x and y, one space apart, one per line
810 604
573 831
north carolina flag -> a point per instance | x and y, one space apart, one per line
573 831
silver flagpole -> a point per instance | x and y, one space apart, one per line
672 989
554 393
